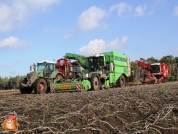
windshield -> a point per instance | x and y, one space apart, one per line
155 69
43 66
51 66
95 63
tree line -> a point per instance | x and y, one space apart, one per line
14 82
11 82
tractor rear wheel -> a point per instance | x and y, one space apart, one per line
121 81
95 82
40 86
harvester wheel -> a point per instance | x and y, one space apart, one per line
40 86
164 80
121 81
59 78
95 83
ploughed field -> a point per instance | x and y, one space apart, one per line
142 109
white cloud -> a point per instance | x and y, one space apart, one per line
159 1
14 14
12 42
19 60
9 42
6 66
176 10
40 3
98 45
177 49
90 18
140 10
54 30
67 36
121 8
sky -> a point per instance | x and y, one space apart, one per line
35 30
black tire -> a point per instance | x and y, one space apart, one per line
29 90
26 90
40 86
95 82
22 90
121 81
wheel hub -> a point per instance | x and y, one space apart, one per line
41 86
96 82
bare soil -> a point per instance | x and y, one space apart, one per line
5 92
142 109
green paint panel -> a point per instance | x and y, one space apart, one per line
40 73
121 65
72 86
111 78
54 73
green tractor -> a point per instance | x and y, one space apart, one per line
39 79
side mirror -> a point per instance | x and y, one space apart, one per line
34 67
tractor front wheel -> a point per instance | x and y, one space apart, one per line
40 86
22 90
25 90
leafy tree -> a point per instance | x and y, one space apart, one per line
10 83
137 71
142 59
171 61
152 60
3 82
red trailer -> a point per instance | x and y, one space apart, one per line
68 69
154 73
